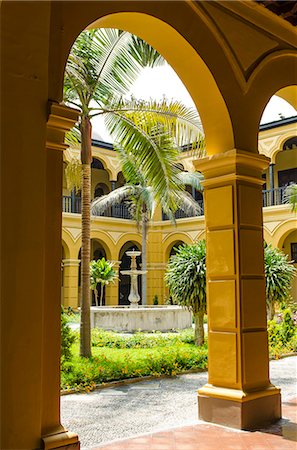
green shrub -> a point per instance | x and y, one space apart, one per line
101 338
109 364
67 338
155 300
282 337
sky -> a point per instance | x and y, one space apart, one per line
160 81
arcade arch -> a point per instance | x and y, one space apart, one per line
125 263
230 113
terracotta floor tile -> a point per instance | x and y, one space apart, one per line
280 436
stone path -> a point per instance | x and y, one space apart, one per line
105 415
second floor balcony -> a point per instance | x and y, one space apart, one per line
72 204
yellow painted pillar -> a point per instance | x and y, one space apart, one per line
155 266
112 290
54 435
70 283
239 393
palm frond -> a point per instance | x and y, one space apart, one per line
291 196
130 171
180 121
153 152
188 204
144 54
73 173
191 179
100 65
101 204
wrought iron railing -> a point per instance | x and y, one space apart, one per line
273 197
72 204
180 214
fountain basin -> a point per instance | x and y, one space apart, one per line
148 318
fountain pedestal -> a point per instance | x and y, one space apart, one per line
133 272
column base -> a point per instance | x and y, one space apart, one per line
237 409
61 441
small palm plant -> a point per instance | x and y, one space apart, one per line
279 273
186 278
101 272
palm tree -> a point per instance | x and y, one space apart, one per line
102 66
144 199
102 272
101 63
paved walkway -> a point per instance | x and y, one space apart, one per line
147 407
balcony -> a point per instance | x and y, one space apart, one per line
72 205
180 214
274 197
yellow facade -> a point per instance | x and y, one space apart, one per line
230 80
112 233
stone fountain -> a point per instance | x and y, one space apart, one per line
133 272
138 317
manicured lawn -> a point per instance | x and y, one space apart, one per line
116 357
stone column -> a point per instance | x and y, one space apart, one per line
239 393
61 119
271 183
155 266
112 289
70 284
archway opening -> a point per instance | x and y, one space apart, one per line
124 280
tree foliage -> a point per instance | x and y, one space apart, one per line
291 196
101 272
279 273
186 278
143 198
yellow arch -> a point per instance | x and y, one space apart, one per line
127 237
66 250
69 244
170 240
276 72
279 145
289 94
283 230
186 62
267 235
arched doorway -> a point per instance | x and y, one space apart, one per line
125 281
175 247
97 252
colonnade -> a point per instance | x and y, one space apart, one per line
230 81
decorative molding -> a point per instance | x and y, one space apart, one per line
75 232
61 119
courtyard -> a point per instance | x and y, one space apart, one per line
149 412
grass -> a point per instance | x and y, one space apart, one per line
116 357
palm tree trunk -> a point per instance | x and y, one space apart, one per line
144 228
199 328
86 158
270 310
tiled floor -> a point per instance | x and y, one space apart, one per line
202 436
